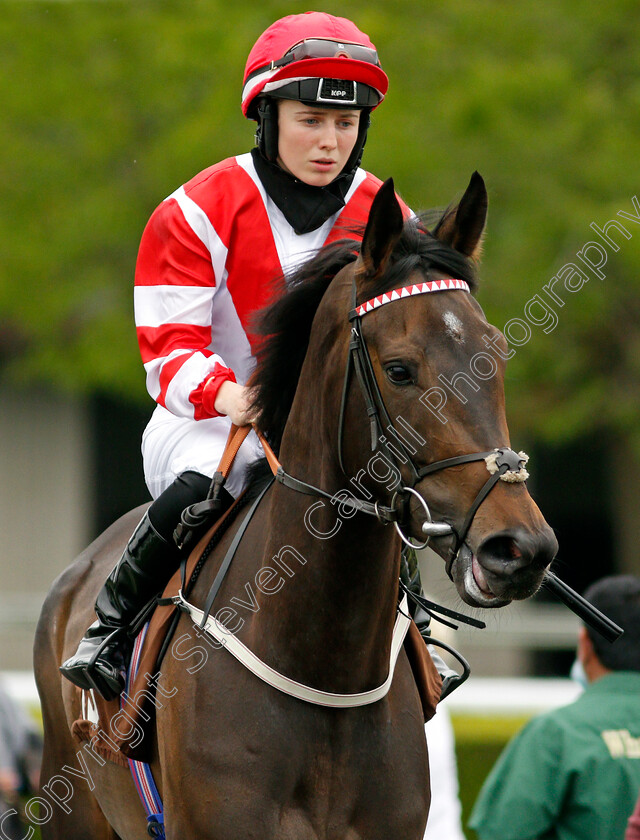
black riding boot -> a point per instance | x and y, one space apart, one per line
148 562
102 656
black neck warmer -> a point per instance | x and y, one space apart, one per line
304 207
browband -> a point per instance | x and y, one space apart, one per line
449 284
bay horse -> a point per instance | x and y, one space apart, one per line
380 456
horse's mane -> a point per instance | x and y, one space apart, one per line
285 325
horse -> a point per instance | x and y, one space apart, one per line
365 390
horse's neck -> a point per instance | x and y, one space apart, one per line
331 622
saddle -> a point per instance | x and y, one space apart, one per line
121 729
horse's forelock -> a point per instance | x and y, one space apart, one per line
418 249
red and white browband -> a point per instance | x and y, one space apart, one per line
447 285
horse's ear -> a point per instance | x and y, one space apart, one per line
462 226
383 230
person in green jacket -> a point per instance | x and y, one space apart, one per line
574 772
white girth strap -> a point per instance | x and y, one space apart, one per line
289 686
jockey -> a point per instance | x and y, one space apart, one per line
207 261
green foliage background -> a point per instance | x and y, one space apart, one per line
108 106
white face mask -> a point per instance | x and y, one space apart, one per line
577 673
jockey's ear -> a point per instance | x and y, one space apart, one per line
383 230
462 226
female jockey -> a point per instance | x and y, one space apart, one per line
207 260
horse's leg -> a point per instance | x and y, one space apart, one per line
99 798
85 820
77 814
104 804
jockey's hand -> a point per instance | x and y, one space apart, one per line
234 400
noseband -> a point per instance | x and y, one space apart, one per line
503 463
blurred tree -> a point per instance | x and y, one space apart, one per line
107 107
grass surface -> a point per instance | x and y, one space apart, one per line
479 742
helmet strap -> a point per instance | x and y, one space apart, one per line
358 149
267 131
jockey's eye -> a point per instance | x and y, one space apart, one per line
398 374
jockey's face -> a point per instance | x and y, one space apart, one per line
315 143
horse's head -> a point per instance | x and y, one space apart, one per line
435 384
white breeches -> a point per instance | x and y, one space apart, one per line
172 445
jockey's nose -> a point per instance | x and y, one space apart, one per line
328 139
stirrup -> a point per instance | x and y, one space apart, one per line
100 689
117 631
450 679
88 671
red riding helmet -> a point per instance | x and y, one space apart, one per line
302 53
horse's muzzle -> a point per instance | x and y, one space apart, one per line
511 565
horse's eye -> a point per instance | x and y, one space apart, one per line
399 375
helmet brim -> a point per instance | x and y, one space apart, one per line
327 68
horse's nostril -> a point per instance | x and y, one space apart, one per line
504 549
510 552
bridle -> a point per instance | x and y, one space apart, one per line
500 461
